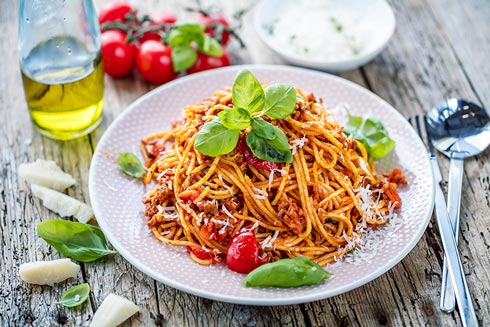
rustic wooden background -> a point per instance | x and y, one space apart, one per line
440 49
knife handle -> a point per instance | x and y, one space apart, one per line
453 206
456 273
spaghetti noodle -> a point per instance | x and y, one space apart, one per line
318 206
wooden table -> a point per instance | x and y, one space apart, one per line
440 49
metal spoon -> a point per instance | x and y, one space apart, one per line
460 129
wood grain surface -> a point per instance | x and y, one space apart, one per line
440 49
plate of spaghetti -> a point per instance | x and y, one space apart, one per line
319 196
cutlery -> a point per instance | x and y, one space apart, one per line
460 129
455 268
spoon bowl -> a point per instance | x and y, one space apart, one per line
459 129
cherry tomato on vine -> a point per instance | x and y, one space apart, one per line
243 253
164 17
118 56
158 17
154 63
114 11
205 62
210 20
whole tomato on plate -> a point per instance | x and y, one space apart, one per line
154 62
117 55
243 253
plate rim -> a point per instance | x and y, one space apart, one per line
237 299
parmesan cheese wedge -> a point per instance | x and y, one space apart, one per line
113 311
62 204
46 173
48 272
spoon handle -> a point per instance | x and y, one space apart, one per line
453 205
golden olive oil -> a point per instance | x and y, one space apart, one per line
64 88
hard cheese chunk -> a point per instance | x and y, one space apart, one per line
113 311
62 204
46 173
48 272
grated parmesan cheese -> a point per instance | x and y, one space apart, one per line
363 165
365 248
227 212
168 212
298 143
269 240
261 194
266 243
163 173
282 171
228 187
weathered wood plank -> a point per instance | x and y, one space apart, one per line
430 57
419 72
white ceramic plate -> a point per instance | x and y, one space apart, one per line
116 199
370 22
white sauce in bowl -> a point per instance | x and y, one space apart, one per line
327 30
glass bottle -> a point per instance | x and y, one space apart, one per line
61 66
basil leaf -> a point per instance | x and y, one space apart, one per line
190 27
275 150
210 46
247 93
177 38
280 101
75 296
371 133
183 57
295 272
263 128
130 165
183 34
214 139
235 118
79 241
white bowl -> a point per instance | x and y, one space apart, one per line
344 34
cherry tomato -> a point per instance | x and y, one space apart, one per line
118 56
243 253
163 17
154 63
158 17
212 19
114 11
249 157
149 36
205 62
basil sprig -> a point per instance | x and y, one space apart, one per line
250 103
295 272
75 296
371 133
82 242
183 37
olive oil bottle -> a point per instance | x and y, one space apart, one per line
65 100
61 66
